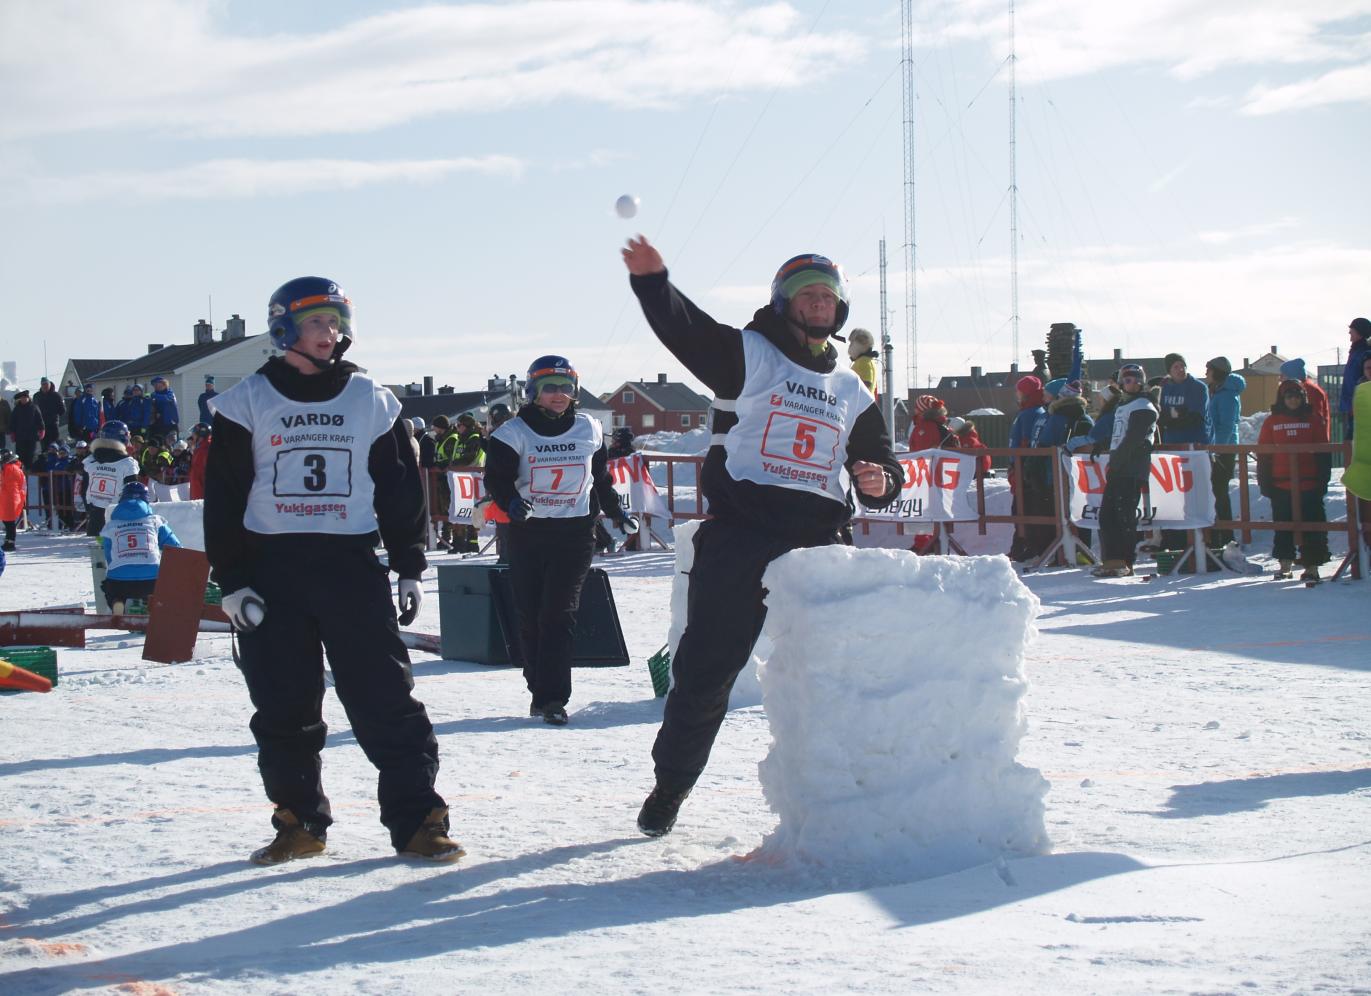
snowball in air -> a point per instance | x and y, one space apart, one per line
626 206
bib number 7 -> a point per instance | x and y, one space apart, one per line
316 472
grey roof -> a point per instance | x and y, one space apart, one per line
673 396
171 358
426 406
87 369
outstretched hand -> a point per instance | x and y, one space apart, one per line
641 257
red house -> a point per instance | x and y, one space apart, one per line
655 406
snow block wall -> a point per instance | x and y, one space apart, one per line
894 696
187 521
746 690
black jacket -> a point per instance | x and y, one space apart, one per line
713 352
502 471
401 512
26 422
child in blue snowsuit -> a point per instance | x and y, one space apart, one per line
133 538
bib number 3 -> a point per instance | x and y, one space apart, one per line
317 472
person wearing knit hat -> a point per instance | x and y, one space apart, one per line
1318 398
1129 446
861 350
1359 334
1184 419
1028 496
1225 411
1287 478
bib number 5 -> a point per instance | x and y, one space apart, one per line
795 439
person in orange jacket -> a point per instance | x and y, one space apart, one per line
1281 476
14 491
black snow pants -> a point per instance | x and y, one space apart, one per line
1119 518
724 615
336 601
549 560
1313 546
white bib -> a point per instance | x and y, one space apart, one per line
793 424
107 479
133 542
554 471
1121 415
310 458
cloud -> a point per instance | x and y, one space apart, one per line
169 65
244 178
1248 232
1339 86
1056 39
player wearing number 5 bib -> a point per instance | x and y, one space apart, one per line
791 430
547 468
308 463
133 539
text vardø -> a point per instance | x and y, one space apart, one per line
554 447
313 418
805 391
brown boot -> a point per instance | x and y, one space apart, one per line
292 841
431 841
1113 569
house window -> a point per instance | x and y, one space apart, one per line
685 421
620 420
649 421
628 397
701 419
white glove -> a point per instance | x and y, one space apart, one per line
411 597
245 609
628 524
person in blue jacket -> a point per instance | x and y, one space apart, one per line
206 396
124 408
1359 331
166 420
133 538
139 410
1183 418
86 414
107 406
1225 411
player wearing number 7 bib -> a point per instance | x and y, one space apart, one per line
791 430
547 468
309 461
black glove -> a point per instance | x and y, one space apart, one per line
519 507
627 523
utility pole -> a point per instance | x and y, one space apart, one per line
887 355
911 296
1013 190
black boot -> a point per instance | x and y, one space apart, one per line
658 814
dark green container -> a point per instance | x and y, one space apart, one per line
213 596
659 667
41 661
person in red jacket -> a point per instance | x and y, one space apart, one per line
1318 397
199 459
969 439
1280 476
14 486
929 429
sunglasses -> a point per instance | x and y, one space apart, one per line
557 389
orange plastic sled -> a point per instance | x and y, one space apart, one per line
12 676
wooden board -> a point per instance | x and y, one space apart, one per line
176 605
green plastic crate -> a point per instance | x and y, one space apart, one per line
40 660
659 667
135 606
213 595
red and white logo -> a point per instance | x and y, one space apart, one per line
276 440
777 400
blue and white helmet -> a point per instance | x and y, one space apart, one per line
301 296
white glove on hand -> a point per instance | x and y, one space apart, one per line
411 597
245 609
629 524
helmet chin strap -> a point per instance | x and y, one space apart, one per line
318 363
817 334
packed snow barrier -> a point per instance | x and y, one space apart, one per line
894 691
187 521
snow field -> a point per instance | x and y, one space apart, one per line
893 694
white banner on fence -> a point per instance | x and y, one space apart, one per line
939 486
637 492
1179 494
467 489
169 492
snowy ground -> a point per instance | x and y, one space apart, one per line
1208 741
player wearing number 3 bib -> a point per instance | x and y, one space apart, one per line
548 469
791 430
308 462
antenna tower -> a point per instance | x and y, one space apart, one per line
911 296
1013 192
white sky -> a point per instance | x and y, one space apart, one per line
1192 173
